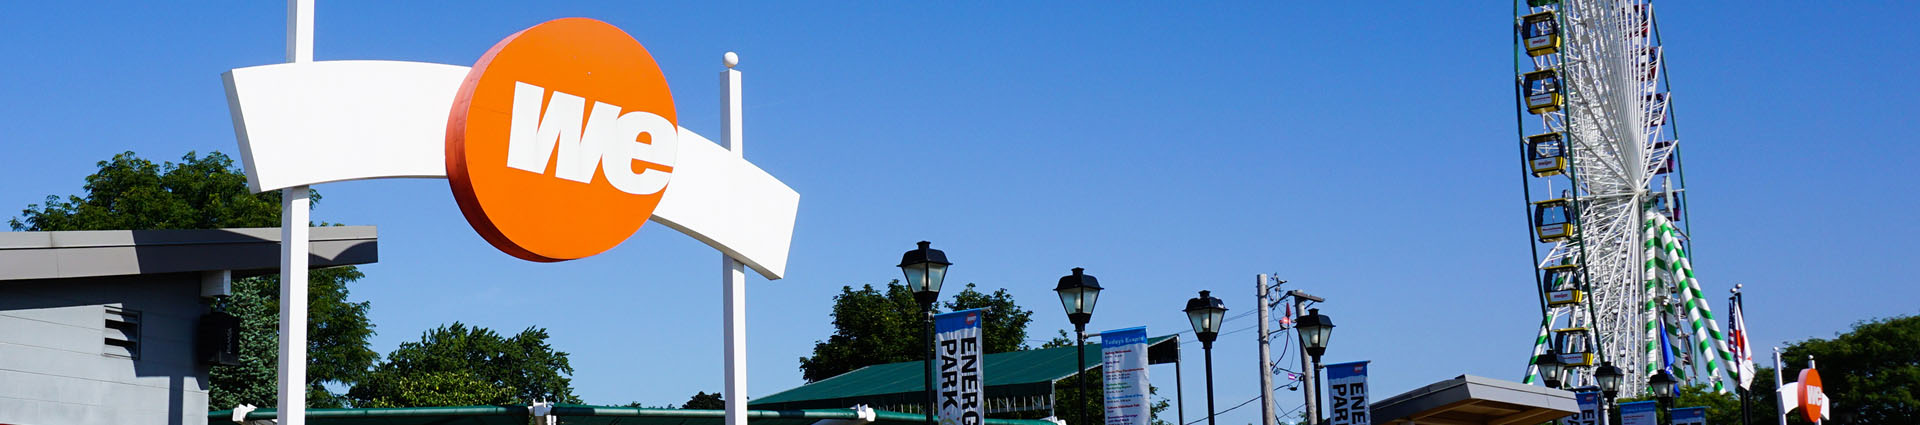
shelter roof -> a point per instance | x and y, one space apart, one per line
1475 400
245 251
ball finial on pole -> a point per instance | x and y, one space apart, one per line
731 59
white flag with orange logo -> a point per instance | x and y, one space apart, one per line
1742 352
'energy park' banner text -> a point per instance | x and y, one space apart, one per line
957 338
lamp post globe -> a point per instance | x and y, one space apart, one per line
1315 329
1661 384
925 269
1550 368
1609 377
1078 293
1206 312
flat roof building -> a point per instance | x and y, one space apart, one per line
100 327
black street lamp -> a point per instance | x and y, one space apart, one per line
1315 329
1078 292
926 269
1550 368
1662 385
1609 377
1206 312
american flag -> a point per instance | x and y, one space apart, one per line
1742 352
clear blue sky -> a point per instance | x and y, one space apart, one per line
1362 151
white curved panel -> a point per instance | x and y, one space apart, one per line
730 204
315 122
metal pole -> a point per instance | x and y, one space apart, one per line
1266 365
292 386
1208 348
926 369
1312 393
1780 404
733 273
1179 389
1080 358
1317 420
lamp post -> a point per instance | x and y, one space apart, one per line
1662 385
1314 330
1609 377
1078 292
1550 368
1206 312
926 269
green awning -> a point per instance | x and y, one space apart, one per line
1011 377
571 414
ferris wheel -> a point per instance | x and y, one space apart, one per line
1606 192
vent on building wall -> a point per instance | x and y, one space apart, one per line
122 333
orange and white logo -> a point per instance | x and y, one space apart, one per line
562 140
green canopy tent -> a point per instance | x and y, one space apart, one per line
574 414
1017 381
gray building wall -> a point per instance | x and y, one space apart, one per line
56 367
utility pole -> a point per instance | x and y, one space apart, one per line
1300 300
1266 362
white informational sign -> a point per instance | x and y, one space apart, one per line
1347 394
957 337
1124 364
1589 409
1639 413
1690 416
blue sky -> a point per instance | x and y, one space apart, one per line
1363 152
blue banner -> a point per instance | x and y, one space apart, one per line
1347 402
957 338
1124 366
1690 416
1639 413
1589 409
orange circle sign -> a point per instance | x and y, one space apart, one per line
1812 396
562 140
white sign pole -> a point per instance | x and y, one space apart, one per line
734 274
292 408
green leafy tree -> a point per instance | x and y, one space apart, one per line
131 193
874 327
1872 372
459 365
702 400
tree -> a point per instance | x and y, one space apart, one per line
130 193
702 400
1872 372
871 327
458 365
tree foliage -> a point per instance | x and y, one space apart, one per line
460 365
131 193
1872 372
703 400
873 327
